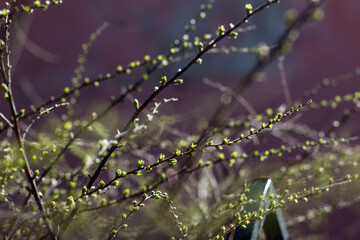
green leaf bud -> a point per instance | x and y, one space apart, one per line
177 152
5 87
145 77
126 192
37 3
248 8
162 176
84 190
163 80
231 162
234 35
221 30
118 173
178 81
141 163
101 184
147 58
136 104
3 12
70 200
160 58
172 161
161 157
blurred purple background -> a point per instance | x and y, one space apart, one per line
44 55
324 49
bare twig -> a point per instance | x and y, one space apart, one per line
6 120
283 80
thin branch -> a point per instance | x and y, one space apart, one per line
283 80
228 90
6 120
46 111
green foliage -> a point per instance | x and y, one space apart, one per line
156 172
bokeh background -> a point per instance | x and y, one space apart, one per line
46 45
46 50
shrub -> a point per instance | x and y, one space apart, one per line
143 165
